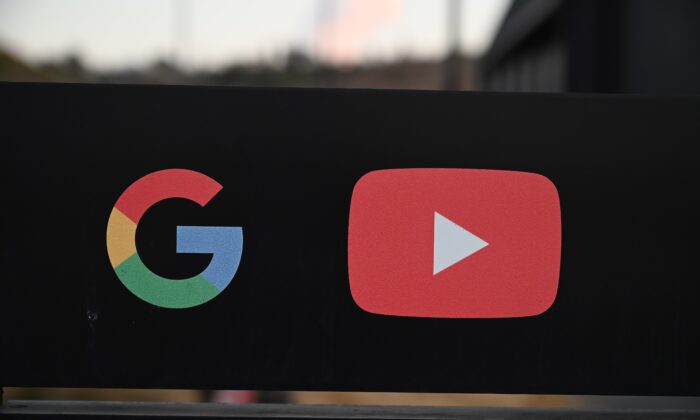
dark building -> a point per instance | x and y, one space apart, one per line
616 46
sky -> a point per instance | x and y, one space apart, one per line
207 34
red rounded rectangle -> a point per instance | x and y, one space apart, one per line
454 243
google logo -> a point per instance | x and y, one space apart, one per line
224 243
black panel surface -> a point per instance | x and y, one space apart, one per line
625 321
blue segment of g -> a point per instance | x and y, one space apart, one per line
224 243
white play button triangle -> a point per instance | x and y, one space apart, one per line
452 243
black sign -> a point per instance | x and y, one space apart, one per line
225 263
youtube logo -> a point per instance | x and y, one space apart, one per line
454 243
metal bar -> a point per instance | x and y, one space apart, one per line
135 410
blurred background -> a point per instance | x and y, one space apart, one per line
411 44
615 46
605 46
